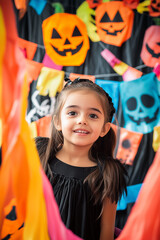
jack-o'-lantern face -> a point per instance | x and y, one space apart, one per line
154 8
114 22
65 39
94 3
12 228
150 53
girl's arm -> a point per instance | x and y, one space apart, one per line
108 220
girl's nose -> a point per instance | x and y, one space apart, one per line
82 120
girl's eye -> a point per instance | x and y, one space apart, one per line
71 113
94 116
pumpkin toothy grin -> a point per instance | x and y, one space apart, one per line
65 51
112 33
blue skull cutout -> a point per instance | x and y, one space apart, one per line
140 104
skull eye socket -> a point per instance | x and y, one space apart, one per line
147 100
131 104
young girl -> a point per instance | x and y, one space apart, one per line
78 159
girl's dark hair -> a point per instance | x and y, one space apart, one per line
108 179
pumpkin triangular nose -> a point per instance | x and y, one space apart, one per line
67 41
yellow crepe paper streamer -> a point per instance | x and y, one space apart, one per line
156 138
120 68
143 6
33 129
50 81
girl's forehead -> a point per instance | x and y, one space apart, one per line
82 96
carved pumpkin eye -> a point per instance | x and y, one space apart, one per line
65 39
114 22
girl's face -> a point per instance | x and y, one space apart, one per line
82 119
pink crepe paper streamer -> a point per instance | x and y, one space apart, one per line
47 61
131 74
156 70
56 228
110 58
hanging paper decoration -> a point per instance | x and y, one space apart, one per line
37 5
65 39
93 3
50 81
154 8
33 129
128 73
131 3
88 17
112 88
48 62
28 48
150 52
73 76
131 197
140 104
156 138
33 69
114 22
128 144
143 6
43 126
143 221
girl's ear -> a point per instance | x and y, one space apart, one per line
105 129
56 123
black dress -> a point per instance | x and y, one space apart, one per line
74 198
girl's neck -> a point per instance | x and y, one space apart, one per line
75 156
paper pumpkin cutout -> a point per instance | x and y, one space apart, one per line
114 22
154 8
65 39
150 53
12 228
88 17
128 144
140 104
94 3
131 3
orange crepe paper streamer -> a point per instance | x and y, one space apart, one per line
50 81
156 138
73 76
43 126
20 170
29 47
144 220
33 69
